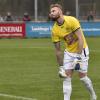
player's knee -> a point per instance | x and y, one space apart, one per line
67 88
86 80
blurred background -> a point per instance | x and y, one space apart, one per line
38 9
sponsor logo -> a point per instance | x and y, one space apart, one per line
8 29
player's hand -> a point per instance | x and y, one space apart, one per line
62 73
77 62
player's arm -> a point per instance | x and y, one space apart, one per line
80 40
59 56
77 60
76 29
58 53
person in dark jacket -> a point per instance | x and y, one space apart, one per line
9 17
26 17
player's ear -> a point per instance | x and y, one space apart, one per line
60 11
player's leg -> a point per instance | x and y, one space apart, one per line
88 84
67 86
85 79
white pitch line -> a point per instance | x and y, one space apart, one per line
28 47
16 97
94 50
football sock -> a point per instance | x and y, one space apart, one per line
88 84
67 88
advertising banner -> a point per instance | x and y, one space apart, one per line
38 29
10 30
91 28
43 29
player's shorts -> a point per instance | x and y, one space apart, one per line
69 58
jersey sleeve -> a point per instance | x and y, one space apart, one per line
74 24
55 37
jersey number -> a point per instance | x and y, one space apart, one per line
70 38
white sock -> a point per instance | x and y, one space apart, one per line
88 85
67 88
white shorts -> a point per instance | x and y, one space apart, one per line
69 58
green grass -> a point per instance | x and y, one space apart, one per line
28 68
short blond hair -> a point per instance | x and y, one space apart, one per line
56 5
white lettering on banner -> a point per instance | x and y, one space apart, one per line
11 34
40 28
11 29
91 29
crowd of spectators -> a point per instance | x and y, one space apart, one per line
9 17
26 17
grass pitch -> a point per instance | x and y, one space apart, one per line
28 71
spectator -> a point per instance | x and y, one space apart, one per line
1 19
68 13
9 17
90 17
26 17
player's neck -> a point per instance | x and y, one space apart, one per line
60 20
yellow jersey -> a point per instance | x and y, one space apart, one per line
66 32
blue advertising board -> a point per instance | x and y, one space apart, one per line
38 29
43 29
91 28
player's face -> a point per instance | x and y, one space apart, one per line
54 13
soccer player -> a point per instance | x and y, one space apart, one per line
76 52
